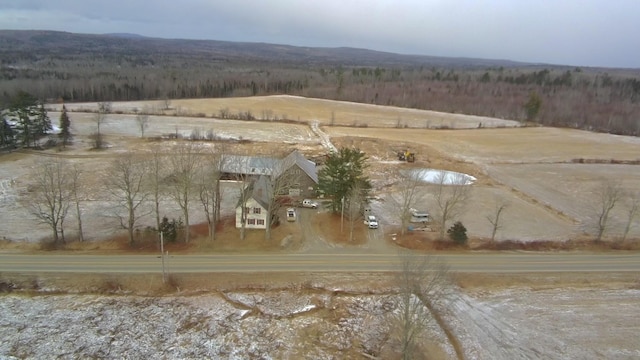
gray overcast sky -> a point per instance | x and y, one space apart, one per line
569 32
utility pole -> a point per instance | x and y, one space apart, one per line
164 273
342 215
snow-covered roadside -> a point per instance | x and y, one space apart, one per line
516 323
266 326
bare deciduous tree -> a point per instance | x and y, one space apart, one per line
105 107
267 114
127 183
632 206
354 201
495 218
52 196
196 134
99 118
76 189
607 196
278 184
424 288
185 161
209 191
166 103
451 195
410 194
98 140
157 173
243 181
224 113
143 122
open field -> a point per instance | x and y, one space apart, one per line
294 315
519 145
531 169
291 316
308 110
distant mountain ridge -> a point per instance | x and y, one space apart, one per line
126 35
43 42
125 67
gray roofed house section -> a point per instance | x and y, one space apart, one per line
295 158
254 165
248 165
258 190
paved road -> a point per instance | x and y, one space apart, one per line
493 263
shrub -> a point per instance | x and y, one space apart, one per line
171 229
458 233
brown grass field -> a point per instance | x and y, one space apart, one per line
548 176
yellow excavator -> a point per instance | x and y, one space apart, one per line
407 156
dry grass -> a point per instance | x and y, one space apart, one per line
325 112
227 240
192 284
350 284
328 226
428 241
566 245
516 145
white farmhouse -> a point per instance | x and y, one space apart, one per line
255 207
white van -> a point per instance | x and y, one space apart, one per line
418 216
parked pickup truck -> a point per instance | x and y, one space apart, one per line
309 204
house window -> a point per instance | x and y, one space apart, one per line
251 221
260 221
294 192
246 210
256 210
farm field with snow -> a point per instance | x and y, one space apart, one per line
533 170
549 179
332 316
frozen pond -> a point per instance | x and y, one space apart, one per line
445 177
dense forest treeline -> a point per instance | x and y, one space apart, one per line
57 66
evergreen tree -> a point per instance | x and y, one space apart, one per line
343 171
168 229
458 233
30 118
65 127
533 105
23 112
43 123
7 135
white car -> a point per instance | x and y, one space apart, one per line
309 204
291 214
371 222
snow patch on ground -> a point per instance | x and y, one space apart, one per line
324 138
516 323
207 326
